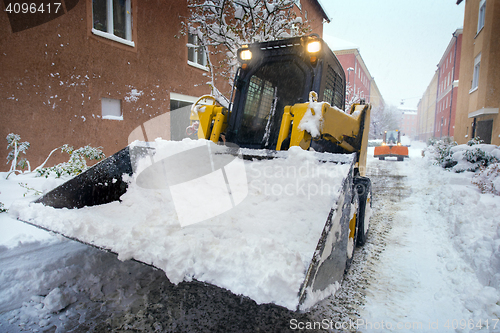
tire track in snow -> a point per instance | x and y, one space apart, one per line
388 189
421 281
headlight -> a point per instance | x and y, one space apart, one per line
314 46
246 55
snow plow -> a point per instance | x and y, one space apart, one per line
270 200
391 146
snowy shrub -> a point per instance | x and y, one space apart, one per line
473 157
17 147
488 179
459 158
2 209
474 141
28 189
77 161
440 150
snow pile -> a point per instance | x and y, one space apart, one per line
474 228
312 120
471 158
439 268
488 179
465 157
260 248
484 159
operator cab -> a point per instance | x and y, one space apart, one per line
276 74
392 138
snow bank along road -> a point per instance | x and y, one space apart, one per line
431 264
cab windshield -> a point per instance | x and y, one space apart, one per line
270 89
391 137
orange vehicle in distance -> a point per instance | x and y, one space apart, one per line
391 146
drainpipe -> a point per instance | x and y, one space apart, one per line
453 79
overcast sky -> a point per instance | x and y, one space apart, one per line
400 41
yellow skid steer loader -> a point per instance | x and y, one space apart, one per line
288 97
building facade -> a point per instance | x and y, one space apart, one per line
94 72
426 111
447 91
408 123
479 89
358 78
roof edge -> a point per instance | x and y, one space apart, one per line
322 10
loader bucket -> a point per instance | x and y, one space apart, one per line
98 185
229 223
390 151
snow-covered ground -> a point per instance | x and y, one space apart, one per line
261 248
440 267
433 261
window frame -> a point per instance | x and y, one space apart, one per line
129 34
107 105
481 15
196 46
475 74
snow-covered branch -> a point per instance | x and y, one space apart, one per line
223 26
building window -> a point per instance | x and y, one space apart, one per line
196 54
111 109
480 19
113 20
475 76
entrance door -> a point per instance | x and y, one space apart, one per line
484 130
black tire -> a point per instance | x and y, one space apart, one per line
364 188
400 158
381 158
350 251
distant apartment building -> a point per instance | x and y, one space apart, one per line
479 89
408 123
426 111
447 91
436 111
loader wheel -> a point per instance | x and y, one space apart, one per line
400 159
381 158
353 228
364 189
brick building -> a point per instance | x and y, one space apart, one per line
426 111
96 70
408 123
478 93
358 77
447 92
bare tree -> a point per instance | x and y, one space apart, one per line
351 96
384 119
223 26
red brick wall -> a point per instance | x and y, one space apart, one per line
446 104
54 75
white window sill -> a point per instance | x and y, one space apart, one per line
477 33
113 117
472 90
194 64
112 37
